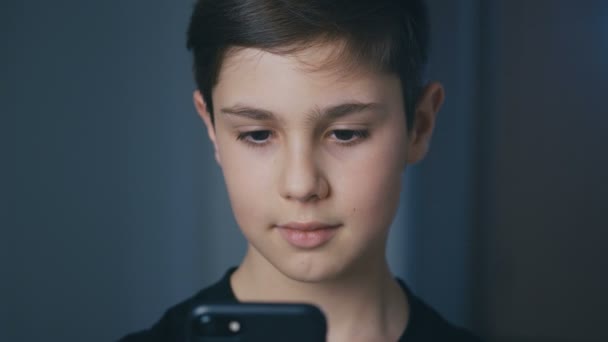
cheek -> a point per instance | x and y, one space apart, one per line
247 175
372 193
369 187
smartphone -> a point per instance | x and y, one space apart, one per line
257 322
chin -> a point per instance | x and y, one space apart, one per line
309 270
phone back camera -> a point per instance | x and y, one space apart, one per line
207 325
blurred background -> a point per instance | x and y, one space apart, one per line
113 208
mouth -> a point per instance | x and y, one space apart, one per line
307 235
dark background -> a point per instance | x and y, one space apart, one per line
113 208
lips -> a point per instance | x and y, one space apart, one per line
307 235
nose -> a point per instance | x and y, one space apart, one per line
302 179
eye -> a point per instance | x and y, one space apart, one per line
255 137
346 136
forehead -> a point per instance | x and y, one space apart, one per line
313 76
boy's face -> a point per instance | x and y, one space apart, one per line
312 160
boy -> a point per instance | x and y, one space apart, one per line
314 109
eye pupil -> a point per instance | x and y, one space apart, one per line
344 134
260 135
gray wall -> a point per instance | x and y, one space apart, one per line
543 226
113 175
113 208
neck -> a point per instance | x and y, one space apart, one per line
368 294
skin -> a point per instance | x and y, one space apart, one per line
285 159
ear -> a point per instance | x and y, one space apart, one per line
420 134
201 108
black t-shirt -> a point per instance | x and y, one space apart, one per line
425 324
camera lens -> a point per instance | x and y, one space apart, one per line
205 326
205 319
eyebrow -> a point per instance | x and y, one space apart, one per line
328 113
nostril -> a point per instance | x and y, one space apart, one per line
301 185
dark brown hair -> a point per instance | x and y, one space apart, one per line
385 35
